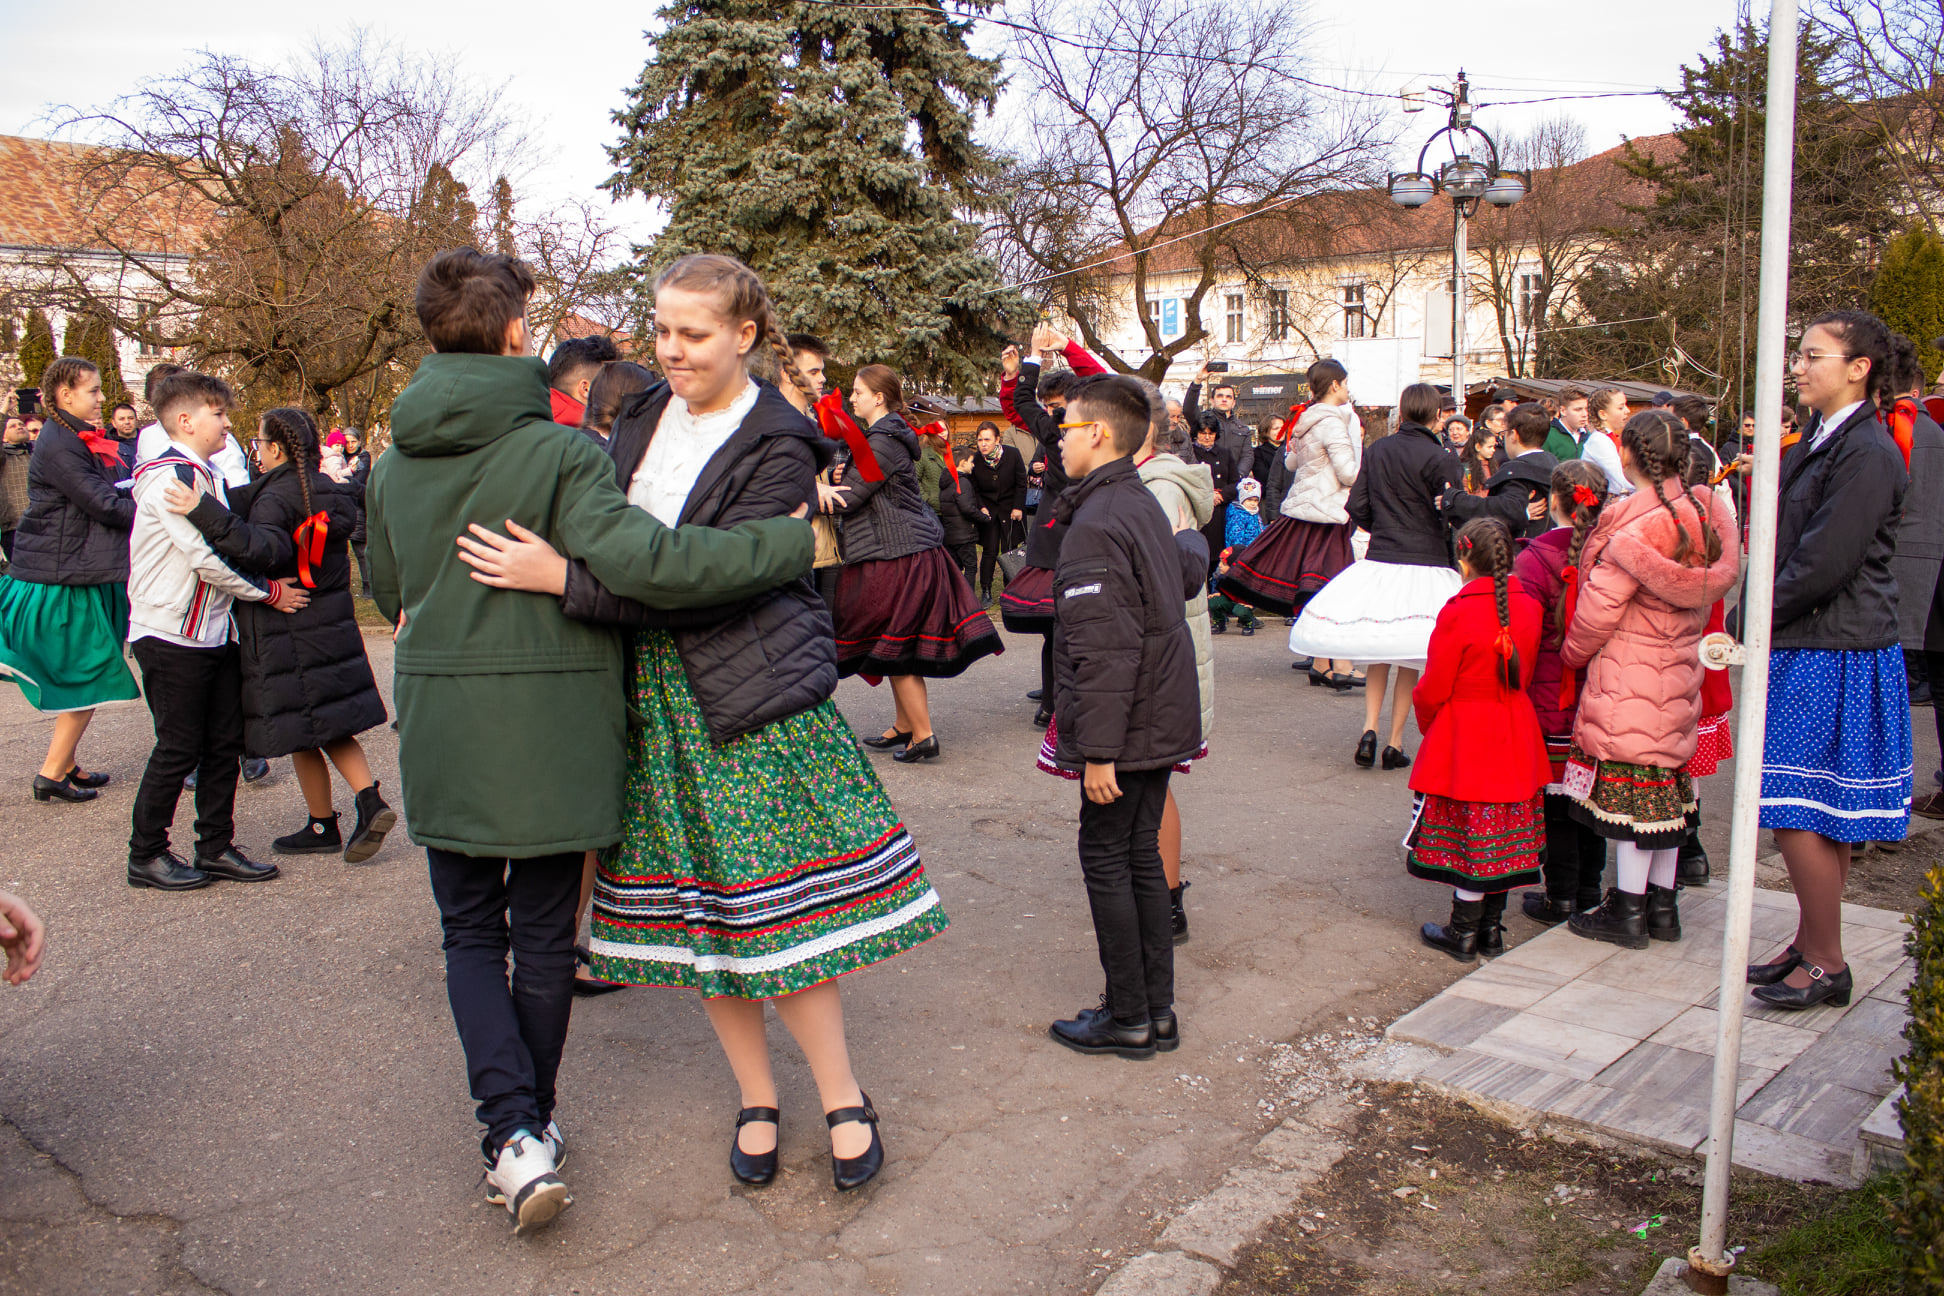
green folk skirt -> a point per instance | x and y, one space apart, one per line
757 867
63 643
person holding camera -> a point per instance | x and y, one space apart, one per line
1233 435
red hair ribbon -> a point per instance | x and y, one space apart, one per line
837 423
1504 643
1464 545
1289 428
938 430
311 535
1585 496
1569 679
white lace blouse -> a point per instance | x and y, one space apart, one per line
680 449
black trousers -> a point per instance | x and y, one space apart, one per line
1120 858
196 697
1934 671
1046 671
991 545
1216 533
6 544
1575 855
364 570
966 555
512 1029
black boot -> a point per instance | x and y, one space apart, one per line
1459 937
1691 865
375 819
1543 908
318 837
1663 914
1180 914
1621 920
1491 926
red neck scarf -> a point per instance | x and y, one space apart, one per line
836 422
99 443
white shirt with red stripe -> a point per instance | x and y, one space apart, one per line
179 590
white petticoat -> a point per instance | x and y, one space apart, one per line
1375 612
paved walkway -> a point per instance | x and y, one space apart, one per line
1622 1041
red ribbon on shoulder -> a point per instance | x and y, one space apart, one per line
1569 679
938 430
1289 427
311 536
99 443
837 423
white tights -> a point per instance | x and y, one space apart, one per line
1467 896
1636 869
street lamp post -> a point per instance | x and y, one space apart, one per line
1466 182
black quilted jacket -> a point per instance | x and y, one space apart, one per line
75 530
888 518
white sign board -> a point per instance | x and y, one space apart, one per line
1380 368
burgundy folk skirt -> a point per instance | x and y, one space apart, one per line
1048 761
1288 562
914 615
1477 845
1026 604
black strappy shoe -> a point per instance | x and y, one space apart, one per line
755 1168
854 1172
590 984
884 742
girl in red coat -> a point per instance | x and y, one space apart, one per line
1482 764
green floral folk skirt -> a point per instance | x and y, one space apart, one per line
757 867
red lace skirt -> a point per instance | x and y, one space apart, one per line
1487 846
914 615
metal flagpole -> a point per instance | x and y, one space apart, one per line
1709 1263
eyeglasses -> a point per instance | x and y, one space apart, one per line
1083 423
1807 358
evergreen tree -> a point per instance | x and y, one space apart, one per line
1909 292
828 148
36 348
91 337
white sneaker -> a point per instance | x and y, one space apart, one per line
524 1181
556 1143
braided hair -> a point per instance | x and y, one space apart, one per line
741 298
1867 338
1486 547
1659 444
295 433
1579 492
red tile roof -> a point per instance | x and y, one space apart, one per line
50 198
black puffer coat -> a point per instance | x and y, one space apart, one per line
958 508
75 530
306 680
752 663
888 518
1124 679
1043 535
1395 497
355 484
1509 494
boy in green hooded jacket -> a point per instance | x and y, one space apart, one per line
512 719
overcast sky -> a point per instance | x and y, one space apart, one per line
567 65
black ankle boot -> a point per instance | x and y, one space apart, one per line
1621 920
1180 914
1459 937
375 819
1691 865
318 837
1491 926
1663 914
1543 908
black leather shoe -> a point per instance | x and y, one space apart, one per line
80 780
165 872
586 984
1762 974
1491 926
1394 758
1823 988
883 742
1542 908
255 769
1459 937
1620 920
918 751
1691 865
374 820
234 866
1095 1031
1366 756
1663 914
1034 695
47 789
1303 664
1042 718
854 1172
1318 679
1180 913
754 1168
1167 1030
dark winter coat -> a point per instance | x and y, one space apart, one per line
1396 495
1920 537
1509 492
1231 433
1836 530
958 511
887 519
1123 661
360 478
306 681
761 660
998 488
1221 466
1044 536
75 530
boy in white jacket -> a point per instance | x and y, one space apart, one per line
180 631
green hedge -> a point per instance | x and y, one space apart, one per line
1920 1215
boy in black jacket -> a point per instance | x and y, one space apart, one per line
1518 493
1126 703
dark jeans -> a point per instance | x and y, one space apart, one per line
513 1030
364 570
1934 671
1575 855
966 556
1120 858
196 697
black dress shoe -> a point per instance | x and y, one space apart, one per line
1542 908
1303 664
1663 914
1318 679
234 866
883 742
1366 756
1094 1031
754 1168
47 789
1034 695
1394 758
255 769
854 1172
1042 718
1762 974
1823 988
165 872
1167 1029
80 780
1620 920
1458 937
918 751
586 984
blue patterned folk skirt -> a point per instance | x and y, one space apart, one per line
1836 758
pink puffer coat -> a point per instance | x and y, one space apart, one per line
1638 623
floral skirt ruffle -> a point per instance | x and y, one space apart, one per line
1488 846
1649 806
